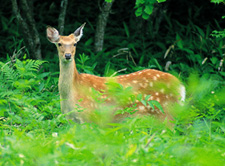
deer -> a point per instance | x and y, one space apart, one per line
77 90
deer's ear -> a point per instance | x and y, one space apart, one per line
79 32
52 34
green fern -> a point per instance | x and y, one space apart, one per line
26 68
8 73
17 78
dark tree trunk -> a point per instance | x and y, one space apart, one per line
157 16
62 16
24 16
101 25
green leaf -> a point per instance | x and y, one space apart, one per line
157 104
145 16
157 64
109 1
131 150
144 102
179 41
138 12
139 2
126 29
217 1
139 97
151 105
160 1
214 60
148 9
147 97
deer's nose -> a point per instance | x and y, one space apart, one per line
68 56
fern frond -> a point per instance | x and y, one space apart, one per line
26 68
8 72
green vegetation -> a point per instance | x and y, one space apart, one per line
34 132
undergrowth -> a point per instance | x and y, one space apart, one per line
34 132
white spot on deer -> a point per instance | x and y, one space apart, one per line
156 93
139 72
145 79
151 98
135 81
134 74
148 74
151 84
167 96
90 89
182 93
103 97
141 108
155 78
128 84
158 99
136 93
157 75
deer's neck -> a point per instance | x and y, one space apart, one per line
67 79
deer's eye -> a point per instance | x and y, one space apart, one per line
75 44
59 44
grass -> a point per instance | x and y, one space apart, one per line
34 132
138 141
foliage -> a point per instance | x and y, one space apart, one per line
34 132
217 1
24 95
145 7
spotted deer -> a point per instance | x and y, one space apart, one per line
77 91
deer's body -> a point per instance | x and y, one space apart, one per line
76 90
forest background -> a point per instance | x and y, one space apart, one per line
182 37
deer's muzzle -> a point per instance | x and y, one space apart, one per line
68 56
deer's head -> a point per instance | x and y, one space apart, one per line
66 45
